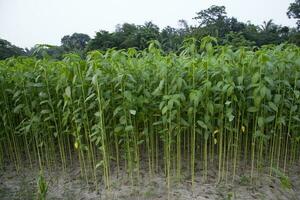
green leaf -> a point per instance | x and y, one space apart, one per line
45 112
263 91
227 103
128 95
68 91
118 129
89 97
296 118
206 135
297 94
97 114
164 110
129 128
161 104
273 106
277 98
157 123
240 79
117 110
281 120
99 164
259 134
16 94
294 108
230 117
269 119
183 122
18 108
255 77
133 112
122 120
94 79
157 91
140 142
252 109
260 122
270 81
202 124
210 107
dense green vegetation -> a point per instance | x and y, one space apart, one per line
222 95
210 22
207 106
7 50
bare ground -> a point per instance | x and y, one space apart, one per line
69 185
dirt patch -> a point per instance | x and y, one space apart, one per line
69 185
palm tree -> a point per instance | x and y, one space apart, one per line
268 26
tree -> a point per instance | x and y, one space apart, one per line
146 33
268 26
102 41
8 50
294 36
237 40
294 12
46 51
76 42
184 27
234 25
214 22
125 36
171 39
211 15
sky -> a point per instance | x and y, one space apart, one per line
28 22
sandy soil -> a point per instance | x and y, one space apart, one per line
69 185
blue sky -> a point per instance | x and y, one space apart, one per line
28 22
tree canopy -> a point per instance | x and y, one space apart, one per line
8 50
294 11
212 21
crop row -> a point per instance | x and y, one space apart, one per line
214 105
